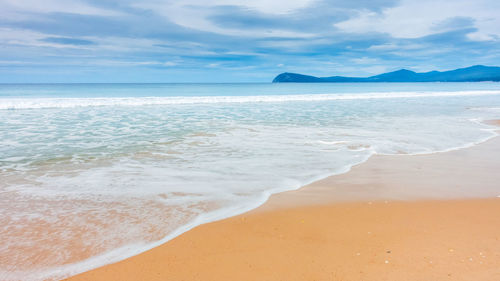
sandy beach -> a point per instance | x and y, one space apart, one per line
424 217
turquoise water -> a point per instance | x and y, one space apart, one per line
240 89
121 168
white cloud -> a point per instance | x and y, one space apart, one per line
365 60
413 19
395 47
14 9
169 63
194 14
23 37
263 6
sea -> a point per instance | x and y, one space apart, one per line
91 174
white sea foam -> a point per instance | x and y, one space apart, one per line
32 103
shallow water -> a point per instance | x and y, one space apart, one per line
93 173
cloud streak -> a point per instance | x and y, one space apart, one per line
67 41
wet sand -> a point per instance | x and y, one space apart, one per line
425 217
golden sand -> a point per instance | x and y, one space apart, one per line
356 226
455 240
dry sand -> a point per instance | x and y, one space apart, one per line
391 218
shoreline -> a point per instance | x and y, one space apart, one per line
319 194
130 251
389 179
345 241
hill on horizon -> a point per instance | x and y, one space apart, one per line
476 73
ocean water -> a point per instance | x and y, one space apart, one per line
94 173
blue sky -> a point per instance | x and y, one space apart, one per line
239 40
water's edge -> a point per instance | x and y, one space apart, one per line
123 253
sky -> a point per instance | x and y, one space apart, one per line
70 41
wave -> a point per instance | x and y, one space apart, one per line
37 103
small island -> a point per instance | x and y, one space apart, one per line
477 73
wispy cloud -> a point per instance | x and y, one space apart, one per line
67 41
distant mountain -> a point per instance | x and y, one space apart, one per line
475 73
